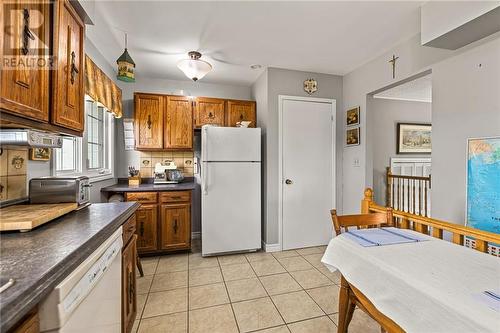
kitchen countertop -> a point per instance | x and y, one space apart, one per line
189 184
39 259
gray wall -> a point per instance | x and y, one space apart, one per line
385 116
125 158
289 82
39 169
466 104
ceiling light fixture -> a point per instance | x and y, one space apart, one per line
194 68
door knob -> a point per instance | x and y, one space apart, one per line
288 182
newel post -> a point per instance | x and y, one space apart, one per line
365 203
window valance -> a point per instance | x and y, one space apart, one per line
102 89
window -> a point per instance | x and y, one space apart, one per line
92 154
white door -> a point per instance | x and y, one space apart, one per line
230 199
308 185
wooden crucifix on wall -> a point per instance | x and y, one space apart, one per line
393 63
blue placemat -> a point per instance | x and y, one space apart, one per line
383 236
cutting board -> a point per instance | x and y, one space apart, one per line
27 217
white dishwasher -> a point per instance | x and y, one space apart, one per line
89 299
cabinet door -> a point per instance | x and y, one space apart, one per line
179 123
240 111
24 87
148 119
68 89
146 228
209 111
129 290
175 226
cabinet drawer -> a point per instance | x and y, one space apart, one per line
143 197
176 196
128 229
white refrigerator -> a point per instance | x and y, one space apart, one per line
230 189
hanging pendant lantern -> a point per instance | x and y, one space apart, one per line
126 66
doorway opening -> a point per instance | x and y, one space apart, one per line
306 170
399 130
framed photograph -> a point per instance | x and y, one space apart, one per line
352 137
414 138
40 154
352 117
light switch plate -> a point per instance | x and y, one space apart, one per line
356 162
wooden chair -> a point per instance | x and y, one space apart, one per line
349 296
361 221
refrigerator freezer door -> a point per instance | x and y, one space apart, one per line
230 144
230 207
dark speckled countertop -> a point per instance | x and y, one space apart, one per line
148 186
39 259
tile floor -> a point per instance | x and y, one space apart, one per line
281 292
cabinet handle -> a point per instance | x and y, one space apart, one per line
149 121
175 226
141 229
241 116
211 115
74 69
175 197
142 198
27 34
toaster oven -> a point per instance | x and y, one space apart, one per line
59 189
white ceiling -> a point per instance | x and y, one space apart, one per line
324 37
418 90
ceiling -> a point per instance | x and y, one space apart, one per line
324 37
418 90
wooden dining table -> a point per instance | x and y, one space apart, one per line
422 287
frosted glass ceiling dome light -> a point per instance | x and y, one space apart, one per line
194 68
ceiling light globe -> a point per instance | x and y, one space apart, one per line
194 68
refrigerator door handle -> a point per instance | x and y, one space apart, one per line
204 176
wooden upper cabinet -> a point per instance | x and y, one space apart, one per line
68 84
148 120
179 123
24 90
146 228
175 226
240 111
209 111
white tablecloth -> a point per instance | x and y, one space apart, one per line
425 287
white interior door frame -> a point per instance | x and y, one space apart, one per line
281 99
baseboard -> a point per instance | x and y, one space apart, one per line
196 235
271 247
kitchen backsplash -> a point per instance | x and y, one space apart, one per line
184 160
13 173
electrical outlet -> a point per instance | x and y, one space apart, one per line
355 163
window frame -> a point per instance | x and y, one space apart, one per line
81 149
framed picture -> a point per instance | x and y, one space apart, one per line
414 138
40 154
352 117
483 177
352 137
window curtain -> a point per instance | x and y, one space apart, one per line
102 89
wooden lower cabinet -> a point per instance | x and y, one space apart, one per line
31 324
175 226
146 227
163 222
129 285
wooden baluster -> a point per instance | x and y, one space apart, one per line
426 212
482 246
458 239
392 194
388 187
413 185
419 197
437 233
